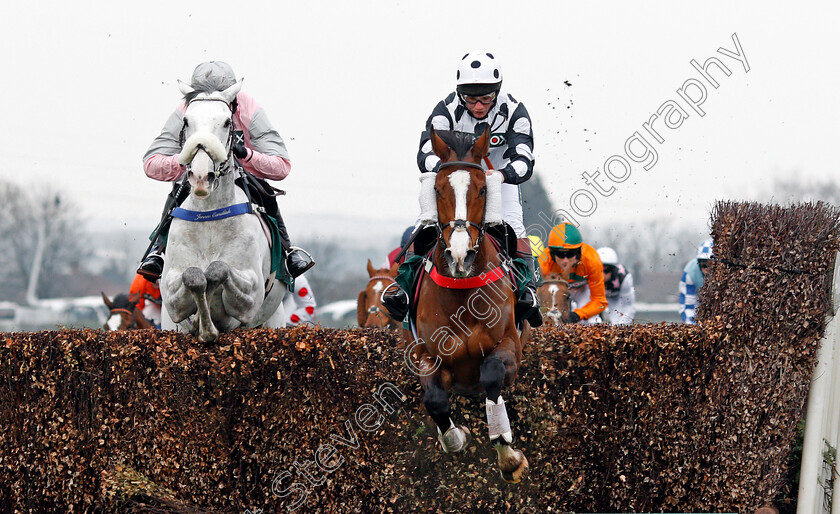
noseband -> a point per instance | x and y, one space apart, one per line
224 167
123 313
454 224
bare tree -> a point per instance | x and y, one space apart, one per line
23 215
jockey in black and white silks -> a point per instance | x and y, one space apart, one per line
478 101
511 141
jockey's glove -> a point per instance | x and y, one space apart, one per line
240 151
574 317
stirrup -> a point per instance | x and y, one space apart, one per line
298 267
395 303
152 267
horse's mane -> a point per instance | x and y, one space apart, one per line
460 142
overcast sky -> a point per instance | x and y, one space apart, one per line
349 85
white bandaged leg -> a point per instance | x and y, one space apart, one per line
428 199
493 205
497 420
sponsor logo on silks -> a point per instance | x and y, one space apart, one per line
238 137
497 140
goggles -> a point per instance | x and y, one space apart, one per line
483 100
564 253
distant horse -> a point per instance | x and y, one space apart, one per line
369 309
124 314
554 297
218 258
466 337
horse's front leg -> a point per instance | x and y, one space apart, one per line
242 291
498 369
453 439
196 282
179 302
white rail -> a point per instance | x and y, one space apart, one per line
822 421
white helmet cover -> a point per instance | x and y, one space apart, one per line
608 256
478 74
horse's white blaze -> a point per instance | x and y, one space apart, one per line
460 182
114 322
459 241
378 286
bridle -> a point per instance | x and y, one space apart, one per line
224 167
460 223
374 309
123 313
555 311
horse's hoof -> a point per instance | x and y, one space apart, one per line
515 476
455 439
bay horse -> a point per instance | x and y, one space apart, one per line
217 273
554 297
465 340
124 314
369 309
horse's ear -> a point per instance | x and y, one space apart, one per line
482 144
371 271
440 148
185 88
361 308
230 93
107 301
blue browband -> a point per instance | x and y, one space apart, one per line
216 214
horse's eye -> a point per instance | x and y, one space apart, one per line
437 192
483 191
227 123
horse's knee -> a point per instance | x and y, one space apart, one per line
216 273
437 402
492 376
194 279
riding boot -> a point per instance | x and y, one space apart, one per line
151 266
395 301
527 304
298 260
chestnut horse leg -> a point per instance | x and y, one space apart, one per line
496 370
453 439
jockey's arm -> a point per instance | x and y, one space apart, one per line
267 156
597 293
520 151
161 159
427 161
688 298
626 304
